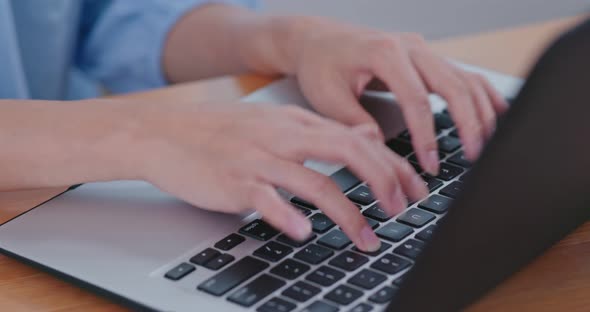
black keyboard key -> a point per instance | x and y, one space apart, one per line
390 264
398 281
416 167
277 305
426 234
400 147
349 261
219 261
180 271
459 160
343 295
325 276
234 275
367 279
416 217
320 223
377 213
229 242
345 179
258 229
305 211
448 172
372 223
362 307
320 306
454 133
448 144
361 195
301 291
205 256
273 251
384 247
452 190
291 242
302 202
405 135
384 295
443 121
314 254
431 182
394 231
290 269
334 239
436 203
410 248
256 290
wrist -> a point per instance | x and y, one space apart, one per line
106 143
287 36
274 44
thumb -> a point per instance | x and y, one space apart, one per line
345 107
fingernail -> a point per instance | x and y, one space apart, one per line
300 228
370 241
432 162
398 201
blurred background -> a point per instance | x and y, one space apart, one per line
434 18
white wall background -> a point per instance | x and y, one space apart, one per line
434 18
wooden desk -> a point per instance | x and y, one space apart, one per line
557 281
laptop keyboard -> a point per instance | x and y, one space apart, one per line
326 272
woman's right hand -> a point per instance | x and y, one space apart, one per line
232 157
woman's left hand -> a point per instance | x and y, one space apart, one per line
334 64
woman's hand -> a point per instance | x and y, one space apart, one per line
335 62
231 158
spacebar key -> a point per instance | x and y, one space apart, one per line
234 275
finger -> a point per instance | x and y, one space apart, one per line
323 192
347 110
443 80
498 100
484 107
395 69
412 183
367 159
370 130
265 199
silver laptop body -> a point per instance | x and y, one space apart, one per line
121 238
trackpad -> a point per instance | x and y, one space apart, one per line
110 223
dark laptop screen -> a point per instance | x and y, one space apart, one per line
528 190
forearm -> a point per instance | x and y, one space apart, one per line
219 39
45 144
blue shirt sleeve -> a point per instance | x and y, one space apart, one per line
121 42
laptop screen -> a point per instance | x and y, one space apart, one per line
527 191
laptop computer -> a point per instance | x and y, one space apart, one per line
129 241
